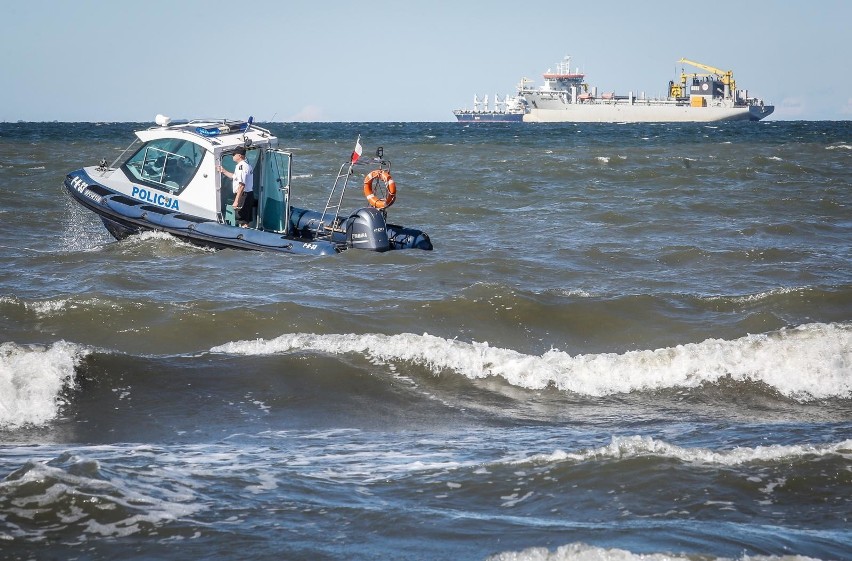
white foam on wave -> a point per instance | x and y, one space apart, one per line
32 379
583 552
47 307
623 447
55 306
608 159
575 292
125 505
748 298
808 362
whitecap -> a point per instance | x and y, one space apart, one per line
808 362
583 552
626 447
32 379
749 298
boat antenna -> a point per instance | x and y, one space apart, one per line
247 141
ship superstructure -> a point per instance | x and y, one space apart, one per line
511 108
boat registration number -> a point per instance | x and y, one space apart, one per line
79 184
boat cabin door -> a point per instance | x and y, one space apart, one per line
273 208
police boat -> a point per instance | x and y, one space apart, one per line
170 183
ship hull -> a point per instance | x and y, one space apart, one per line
643 112
488 117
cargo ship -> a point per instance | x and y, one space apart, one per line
565 97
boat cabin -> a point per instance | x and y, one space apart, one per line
175 168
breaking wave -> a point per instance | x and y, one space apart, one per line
583 552
32 380
804 363
624 447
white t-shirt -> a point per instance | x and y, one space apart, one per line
243 174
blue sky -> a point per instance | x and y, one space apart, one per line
385 60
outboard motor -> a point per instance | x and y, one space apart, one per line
367 229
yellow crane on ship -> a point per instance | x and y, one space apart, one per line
726 76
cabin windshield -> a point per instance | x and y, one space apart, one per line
167 164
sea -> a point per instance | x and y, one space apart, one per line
630 342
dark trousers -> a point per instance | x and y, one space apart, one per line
244 214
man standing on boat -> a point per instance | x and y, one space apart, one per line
243 181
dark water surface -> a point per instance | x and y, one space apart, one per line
630 342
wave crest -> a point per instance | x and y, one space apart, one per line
583 552
808 362
623 447
32 379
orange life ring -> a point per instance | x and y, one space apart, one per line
385 176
